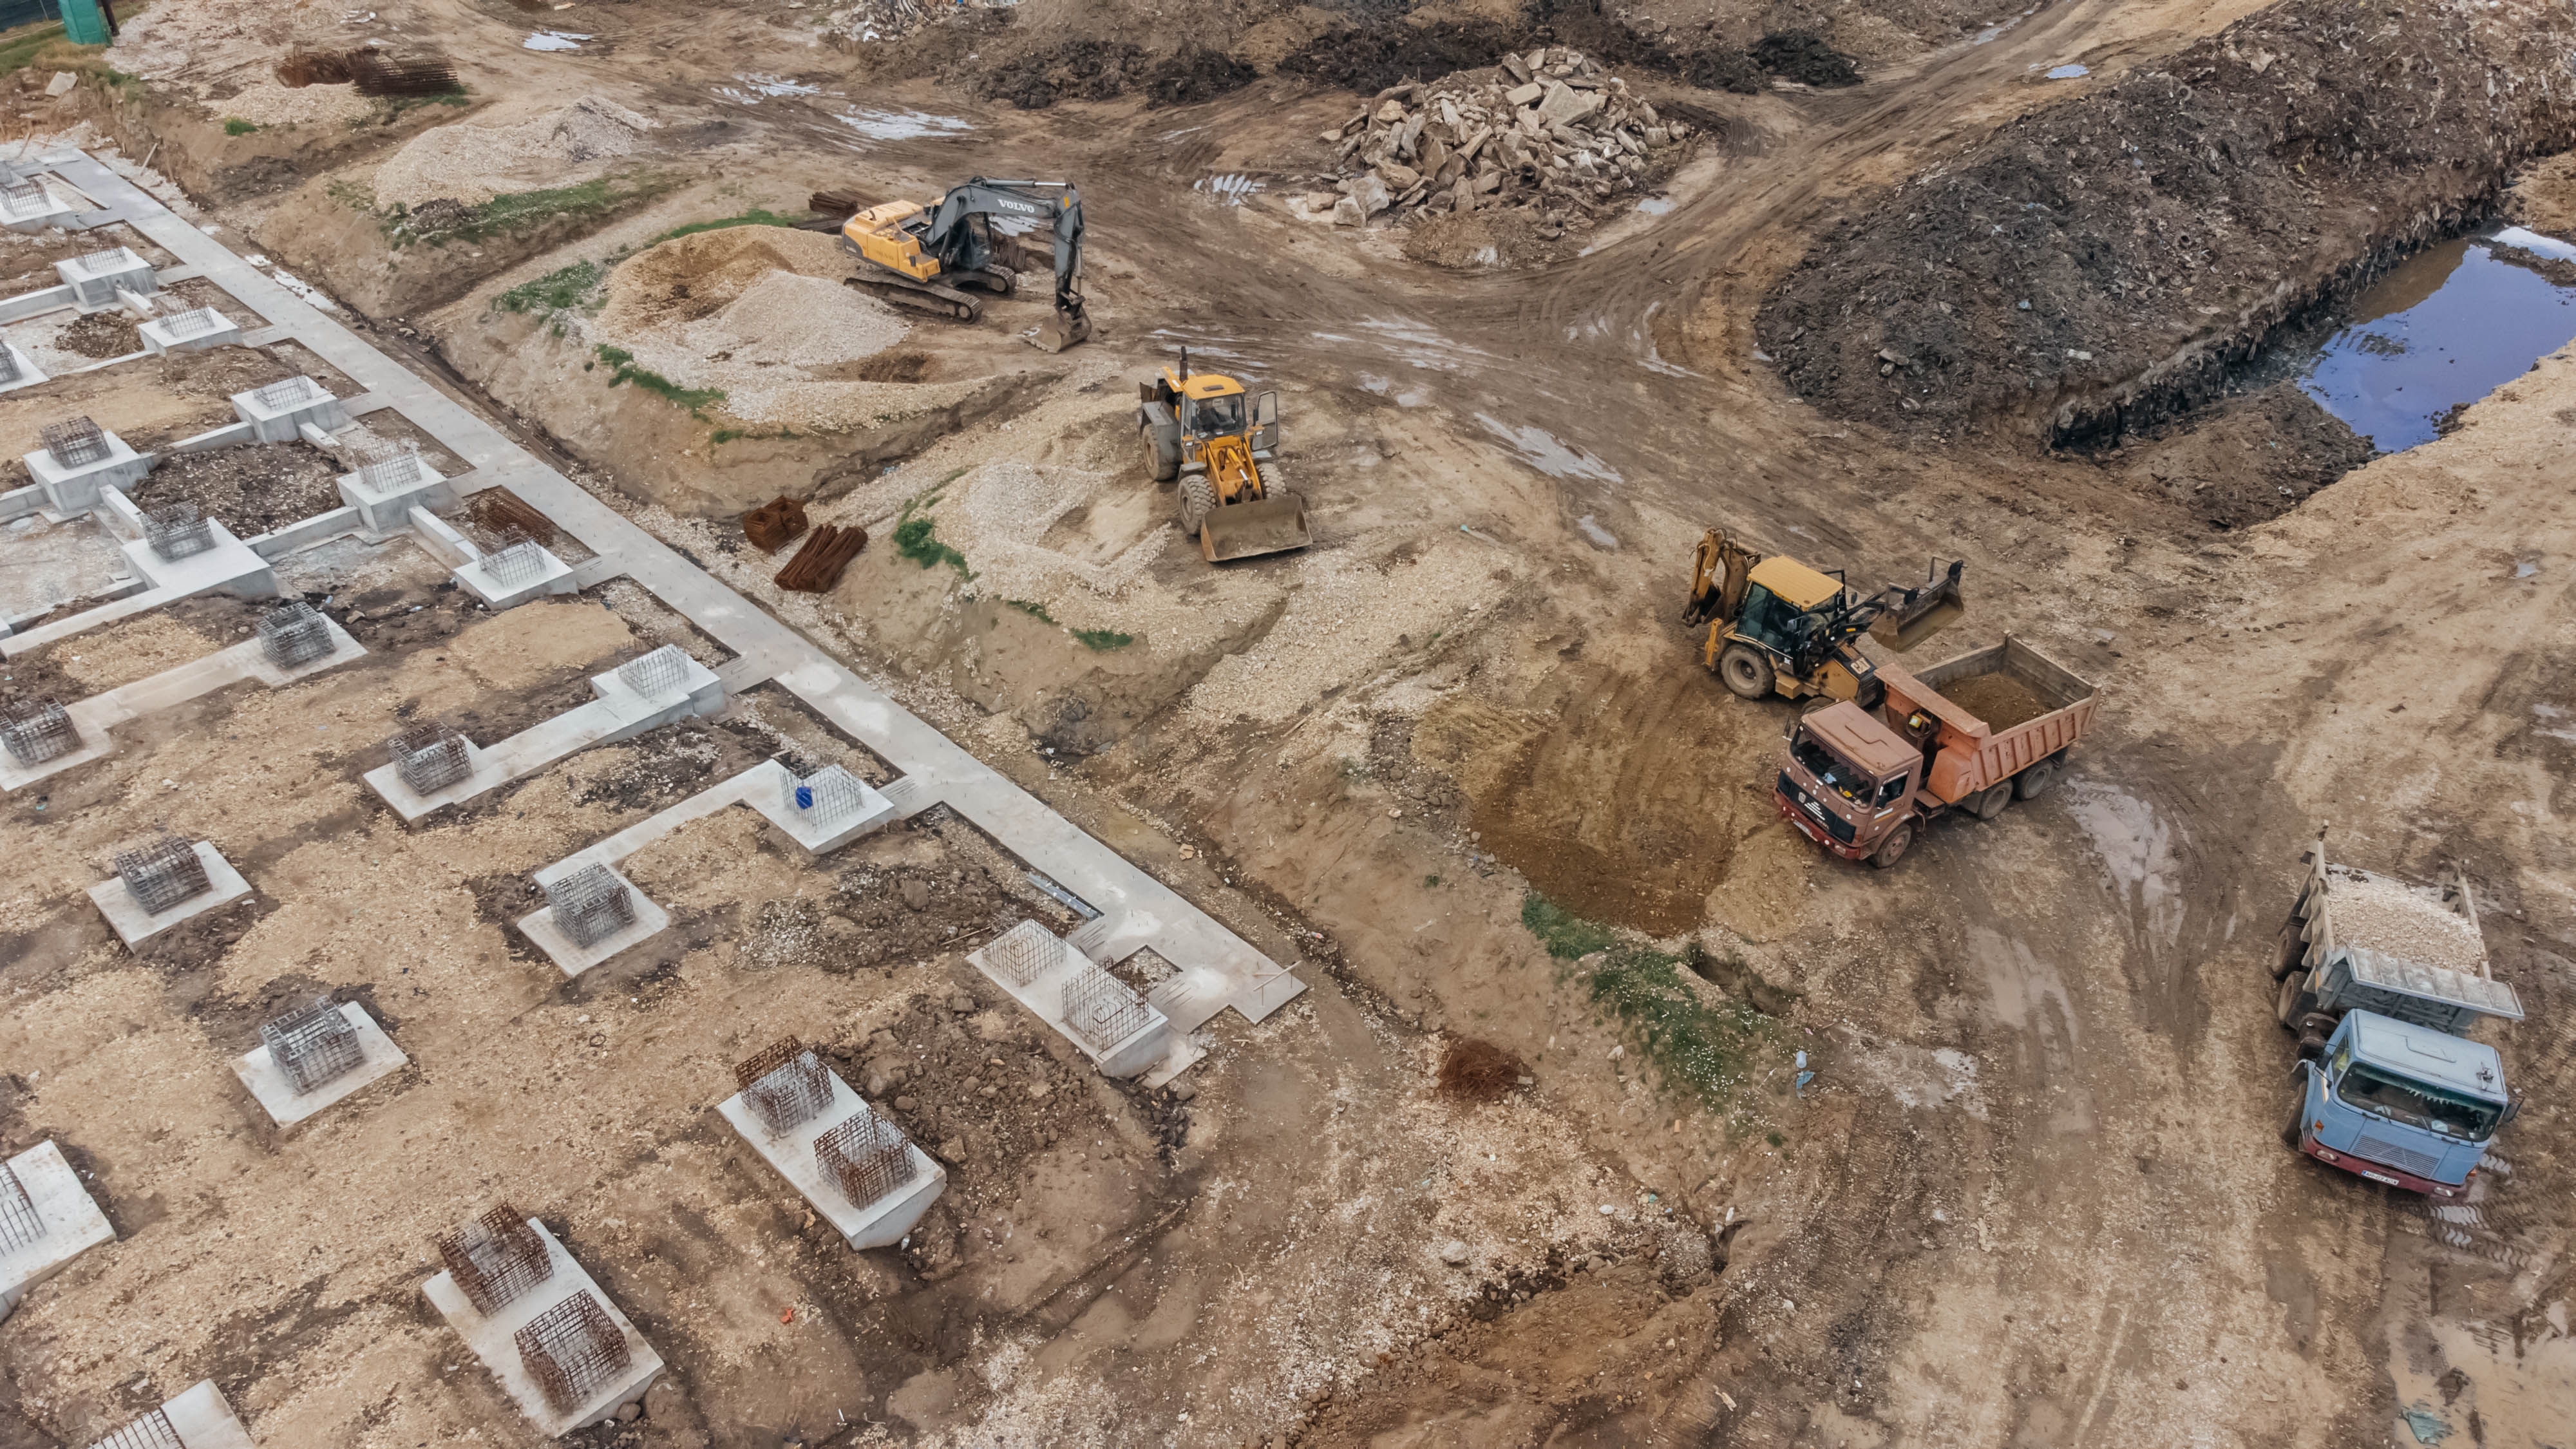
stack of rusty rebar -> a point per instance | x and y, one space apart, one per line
817 566
770 526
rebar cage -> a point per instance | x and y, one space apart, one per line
313 1046
162 873
20 1224
830 795
287 394
495 1258
9 370
23 196
37 732
75 442
195 322
152 1431
865 1156
1103 1010
1024 953
430 756
517 562
656 673
590 904
384 466
785 1084
573 1350
113 259
177 531
294 633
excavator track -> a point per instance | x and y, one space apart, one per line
928 296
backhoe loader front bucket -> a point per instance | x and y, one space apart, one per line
1918 614
1241 530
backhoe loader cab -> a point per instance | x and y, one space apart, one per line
1217 439
1776 626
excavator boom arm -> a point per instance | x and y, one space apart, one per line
1053 204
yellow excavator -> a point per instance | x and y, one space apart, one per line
939 257
1776 626
1206 430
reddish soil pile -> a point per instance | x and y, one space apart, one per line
2102 262
1478 1071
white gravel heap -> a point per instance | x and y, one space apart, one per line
2390 917
471 164
798 321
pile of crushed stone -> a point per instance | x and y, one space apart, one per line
471 164
1551 127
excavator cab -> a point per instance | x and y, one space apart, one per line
1208 431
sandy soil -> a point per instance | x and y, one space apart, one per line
2035 1192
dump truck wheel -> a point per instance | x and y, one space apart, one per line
2034 782
2285 962
1746 673
1992 803
1892 849
1157 467
2287 1006
1196 499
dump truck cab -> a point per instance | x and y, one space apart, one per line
2403 1104
1850 776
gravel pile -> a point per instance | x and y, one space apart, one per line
266 103
799 321
1548 127
472 164
2389 917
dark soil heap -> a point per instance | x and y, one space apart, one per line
2100 263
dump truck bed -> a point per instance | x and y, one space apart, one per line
2408 951
2001 709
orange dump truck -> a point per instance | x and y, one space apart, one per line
1971 734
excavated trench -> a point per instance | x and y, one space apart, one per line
2112 262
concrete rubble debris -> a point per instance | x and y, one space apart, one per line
1574 140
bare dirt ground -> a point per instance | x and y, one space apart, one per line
1457 760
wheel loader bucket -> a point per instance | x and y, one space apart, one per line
1921 613
1242 530
1062 330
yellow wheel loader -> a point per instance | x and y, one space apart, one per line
1776 626
1206 431
938 257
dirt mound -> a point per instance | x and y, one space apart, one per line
696 276
1372 58
1193 75
2104 261
473 163
1803 56
1473 1070
1079 70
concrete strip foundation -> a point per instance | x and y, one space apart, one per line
569 955
73 1223
134 924
95 716
378 1058
792 1155
492 1340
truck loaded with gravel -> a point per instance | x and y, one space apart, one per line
2383 980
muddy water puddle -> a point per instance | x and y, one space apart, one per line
2446 327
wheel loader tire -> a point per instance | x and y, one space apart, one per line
1197 498
1157 467
2034 782
1746 673
1992 803
1892 849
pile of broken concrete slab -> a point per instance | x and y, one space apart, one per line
1551 126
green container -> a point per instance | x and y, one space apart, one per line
84 23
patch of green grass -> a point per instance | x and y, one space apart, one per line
918 540
560 290
18 47
757 216
1034 611
236 126
1700 1049
520 211
1774 1138
1430 880
389 109
695 399
1567 937
1103 639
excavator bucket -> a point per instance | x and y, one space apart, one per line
1241 530
1062 330
1918 614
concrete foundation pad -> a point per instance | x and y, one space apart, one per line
270 423
28 373
475 577
74 490
482 773
134 924
575 958
158 338
202 1419
95 745
792 1154
773 794
1043 995
231 566
388 510
378 1057
73 1223
492 1340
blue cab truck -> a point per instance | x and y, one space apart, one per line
2383 981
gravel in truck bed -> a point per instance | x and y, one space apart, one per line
2389 917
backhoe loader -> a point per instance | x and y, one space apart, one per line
1776 626
937 257
1204 429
